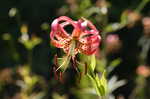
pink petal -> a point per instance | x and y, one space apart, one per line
58 35
88 50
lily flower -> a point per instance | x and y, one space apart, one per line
84 38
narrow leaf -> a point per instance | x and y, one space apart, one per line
93 62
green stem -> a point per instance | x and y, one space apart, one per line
142 5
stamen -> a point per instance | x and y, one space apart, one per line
61 77
55 73
73 62
55 60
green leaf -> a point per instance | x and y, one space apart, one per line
101 64
100 84
115 62
103 82
90 61
124 18
81 66
93 62
95 84
101 90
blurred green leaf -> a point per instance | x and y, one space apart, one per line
99 87
6 36
124 18
115 62
93 62
81 66
100 84
89 12
101 64
103 83
30 43
84 5
95 85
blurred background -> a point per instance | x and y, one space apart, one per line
26 55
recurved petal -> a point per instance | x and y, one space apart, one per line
57 30
66 21
88 50
89 39
89 45
86 25
57 43
58 35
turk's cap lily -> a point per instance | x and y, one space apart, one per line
84 38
